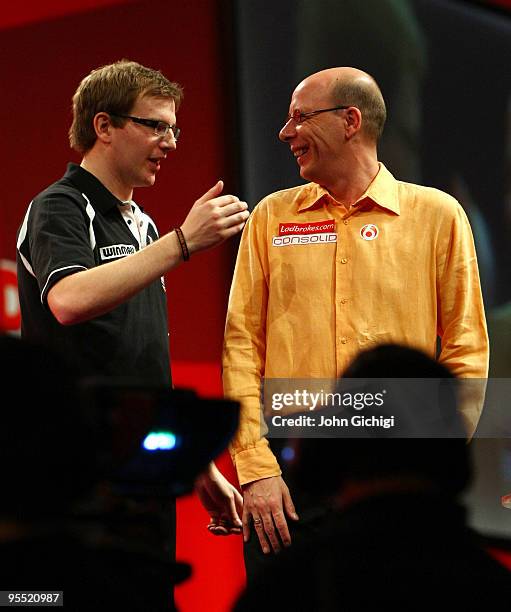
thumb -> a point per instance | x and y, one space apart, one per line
215 191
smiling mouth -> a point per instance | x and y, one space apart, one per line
156 161
299 151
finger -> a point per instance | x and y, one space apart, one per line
246 525
233 516
223 201
238 498
230 200
236 219
228 527
234 208
215 191
213 525
223 530
232 231
282 528
271 535
261 535
236 229
218 530
219 524
288 504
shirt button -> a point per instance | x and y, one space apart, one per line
141 224
129 221
344 340
344 260
345 222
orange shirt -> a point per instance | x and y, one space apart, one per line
314 284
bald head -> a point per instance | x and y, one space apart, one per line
352 87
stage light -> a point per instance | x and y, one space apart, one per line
288 453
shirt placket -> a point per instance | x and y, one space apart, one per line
343 291
131 222
142 224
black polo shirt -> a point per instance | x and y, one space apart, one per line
76 224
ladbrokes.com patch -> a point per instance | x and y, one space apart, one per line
318 232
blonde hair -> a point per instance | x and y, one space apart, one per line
114 89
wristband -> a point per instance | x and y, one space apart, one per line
182 244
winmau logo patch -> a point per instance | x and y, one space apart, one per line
116 250
319 232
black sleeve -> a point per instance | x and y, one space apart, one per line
60 239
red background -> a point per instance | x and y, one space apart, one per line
41 64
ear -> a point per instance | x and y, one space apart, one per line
103 127
353 119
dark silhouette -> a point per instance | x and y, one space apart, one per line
397 534
55 531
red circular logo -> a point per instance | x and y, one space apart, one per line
369 232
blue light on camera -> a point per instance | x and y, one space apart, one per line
159 440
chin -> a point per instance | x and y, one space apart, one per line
307 175
149 181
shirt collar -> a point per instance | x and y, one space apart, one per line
99 196
382 191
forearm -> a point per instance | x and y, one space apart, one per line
250 451
94 292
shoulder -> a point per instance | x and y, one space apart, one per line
287 200
62 188
436 200
59 196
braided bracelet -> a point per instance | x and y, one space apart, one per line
182 244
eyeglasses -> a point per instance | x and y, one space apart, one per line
298 117
161 129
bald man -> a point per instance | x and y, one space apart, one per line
352 259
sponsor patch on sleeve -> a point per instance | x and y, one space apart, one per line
314 232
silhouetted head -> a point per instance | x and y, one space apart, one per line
426 442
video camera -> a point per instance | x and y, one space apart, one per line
151 441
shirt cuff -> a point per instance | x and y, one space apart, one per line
255 463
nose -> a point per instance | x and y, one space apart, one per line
168 142
288 130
